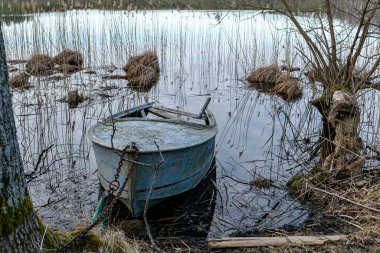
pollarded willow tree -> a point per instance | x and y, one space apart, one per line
19 225
342 45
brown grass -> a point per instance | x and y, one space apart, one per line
143 71
271 80
264 78
332 215
20 81
40 65
74 98
289 90
69 57
114 240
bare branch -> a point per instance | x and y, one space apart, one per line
332 34
318 56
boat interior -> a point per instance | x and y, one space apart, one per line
149 111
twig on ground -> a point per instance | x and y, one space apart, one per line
346 199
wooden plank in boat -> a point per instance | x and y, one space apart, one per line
160 113
188 114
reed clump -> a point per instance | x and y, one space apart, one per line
264 78
73 98
69 57
20 81
270 79
143 71
289 90
40 65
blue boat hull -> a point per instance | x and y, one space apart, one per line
180 171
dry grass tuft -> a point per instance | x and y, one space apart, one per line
264 78
69 57
40 65
143 71
289 90
20 81
115 241
271 80
74 98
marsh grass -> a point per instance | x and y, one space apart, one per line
115 241
109 240
20 81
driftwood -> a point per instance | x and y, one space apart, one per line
249 242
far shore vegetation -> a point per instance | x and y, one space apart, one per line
15 7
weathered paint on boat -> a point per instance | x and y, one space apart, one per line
187 152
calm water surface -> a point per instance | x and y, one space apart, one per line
201 53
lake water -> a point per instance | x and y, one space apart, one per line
201 54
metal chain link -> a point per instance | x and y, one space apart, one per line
111 191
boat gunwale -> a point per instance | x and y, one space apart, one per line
213 126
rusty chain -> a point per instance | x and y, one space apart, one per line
111 191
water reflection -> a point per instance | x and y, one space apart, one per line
15 19
187 215
198 58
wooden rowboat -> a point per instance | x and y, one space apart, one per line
159 157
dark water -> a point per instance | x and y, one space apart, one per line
201 54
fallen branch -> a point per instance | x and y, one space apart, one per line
249 242
156 166
346 199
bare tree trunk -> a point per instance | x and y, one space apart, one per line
326 146
328 134
345 117
19 227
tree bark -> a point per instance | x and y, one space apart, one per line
345 117
19 225
326 146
